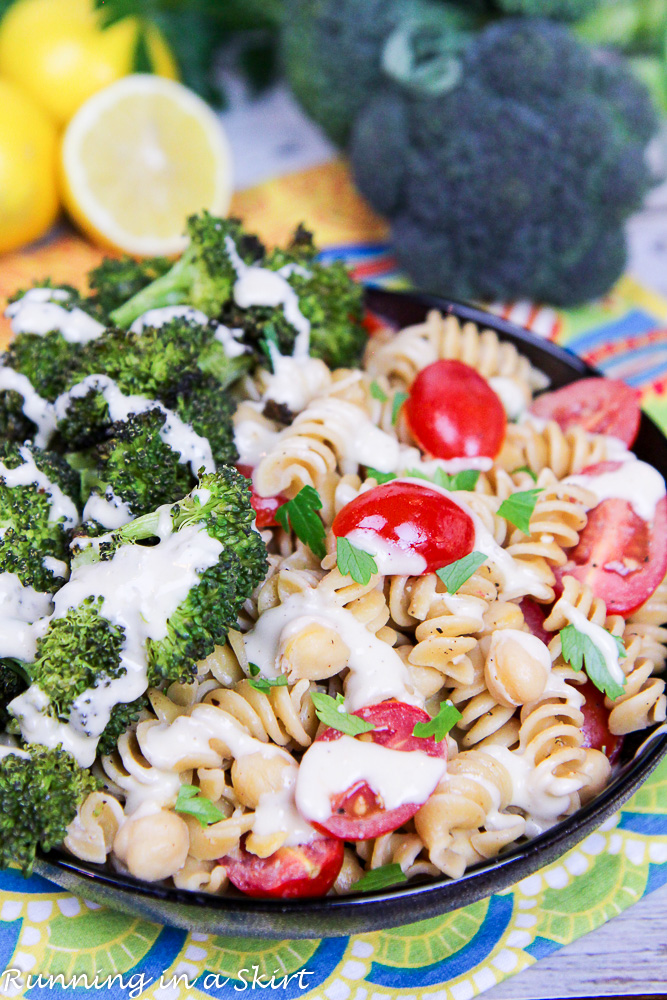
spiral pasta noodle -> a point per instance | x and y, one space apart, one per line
564 452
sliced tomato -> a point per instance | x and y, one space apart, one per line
358 813
534 615
620 556
413 519
298 872
453 412
264 507
374 323
596 723
599 405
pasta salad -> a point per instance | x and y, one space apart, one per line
352 625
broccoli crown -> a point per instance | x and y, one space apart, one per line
518 180
36 515
13 680
154 362
328 298
116 280
209 410
49 361
138 465
221 505
39 797
75 651
123 717
559 10
203 277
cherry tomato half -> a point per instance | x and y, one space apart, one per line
599 405
264 507
620 556
298 872
358 813
596 723
453 412
413 518
534 615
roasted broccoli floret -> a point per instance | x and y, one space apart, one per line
13 680
328 298
105 628
40 792
38 493
208 409
116 280
203 277
517 180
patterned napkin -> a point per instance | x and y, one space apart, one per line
47 932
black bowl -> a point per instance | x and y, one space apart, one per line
334 916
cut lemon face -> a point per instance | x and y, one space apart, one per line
137 159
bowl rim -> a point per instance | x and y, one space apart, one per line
415 900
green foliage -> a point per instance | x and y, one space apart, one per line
552 142
518 508
447 717
28 532
354 562
300 516
456 574
39 797
558 10
331 711
190 801
581 652
380 878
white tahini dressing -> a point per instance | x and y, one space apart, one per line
230 341
638 483
38 312
376 671
518 580
168 744
13 752
140 587
396 776
603 640
411 458
192 448
277 812
108 510
58 567
22 618
254 439
295 381
37 409
258 286
61 507
157 318
391 559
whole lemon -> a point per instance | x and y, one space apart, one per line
57 51
28 169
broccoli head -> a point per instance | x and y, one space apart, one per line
328 298
333 50
559 10
517 180
40 792
37 514
117 279
208 409
202 277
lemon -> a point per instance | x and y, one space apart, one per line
137 159
28 169
56 51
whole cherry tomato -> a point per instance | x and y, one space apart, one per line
453 412
298 872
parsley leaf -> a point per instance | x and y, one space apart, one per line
377 392
465 480
447 717
191 802
456 574
381 477
264 683
354 562
518 509
330 711
380 878
525 468
301 514
580 651
399 399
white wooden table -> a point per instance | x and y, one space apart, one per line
628 956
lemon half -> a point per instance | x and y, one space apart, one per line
138 158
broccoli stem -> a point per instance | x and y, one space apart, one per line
169 290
